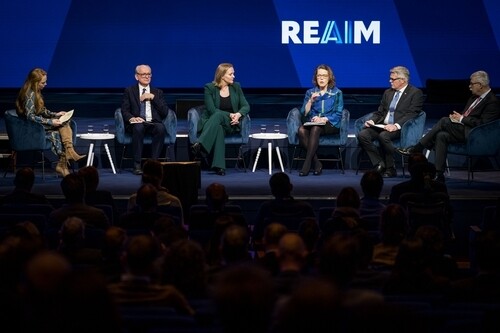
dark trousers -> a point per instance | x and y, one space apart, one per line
440 136
157 132
383 155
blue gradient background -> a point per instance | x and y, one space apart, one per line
96 44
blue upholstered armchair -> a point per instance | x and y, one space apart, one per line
26 135
411 132
240 139
125 138
483 141
339 141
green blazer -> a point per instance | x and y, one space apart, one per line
212 102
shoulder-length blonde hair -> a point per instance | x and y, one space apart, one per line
220 72
32 82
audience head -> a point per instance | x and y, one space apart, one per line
394 225
72 231
73 188
313 306
147 198
234 244
309 231
90 176
372 183
152 172
184 266
292 250
348 197
273 233
25 179
45 273
340 258
141 252
216 196
280 185
244 298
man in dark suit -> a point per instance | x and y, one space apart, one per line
482 107
399 104
143 110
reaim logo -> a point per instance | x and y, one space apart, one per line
355 32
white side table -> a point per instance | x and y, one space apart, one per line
93 137
270 138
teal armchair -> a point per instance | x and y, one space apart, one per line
239 139
411 133
26 135
483 141
338 141
125 139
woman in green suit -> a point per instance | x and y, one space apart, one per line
225 106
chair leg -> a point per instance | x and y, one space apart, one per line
121 158
241 157
294 159
341 160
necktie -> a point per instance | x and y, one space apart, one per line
393 106
472 106
143 106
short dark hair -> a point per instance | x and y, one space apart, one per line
280 184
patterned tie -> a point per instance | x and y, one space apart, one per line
143 106
393 106
472 106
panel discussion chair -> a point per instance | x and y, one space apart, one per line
411 133
26 135
238 139
125 139
337 141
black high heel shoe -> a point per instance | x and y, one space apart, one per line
303 174
318 170
220 172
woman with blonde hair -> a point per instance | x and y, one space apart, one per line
225 107
30 105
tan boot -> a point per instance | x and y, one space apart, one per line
62 166
67 141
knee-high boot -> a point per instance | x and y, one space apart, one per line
67 141
62 166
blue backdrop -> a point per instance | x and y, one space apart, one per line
272 44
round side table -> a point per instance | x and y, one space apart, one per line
270 138
94 137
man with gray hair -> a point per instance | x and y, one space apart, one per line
399 104
482 107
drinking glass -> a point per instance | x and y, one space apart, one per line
263 128
276 128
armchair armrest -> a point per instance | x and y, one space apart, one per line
480 142
293 122
344 127
245 128
412 130
24 134
120 127
170 123
193 117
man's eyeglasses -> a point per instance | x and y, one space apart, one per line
144 74
394 79
473 83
